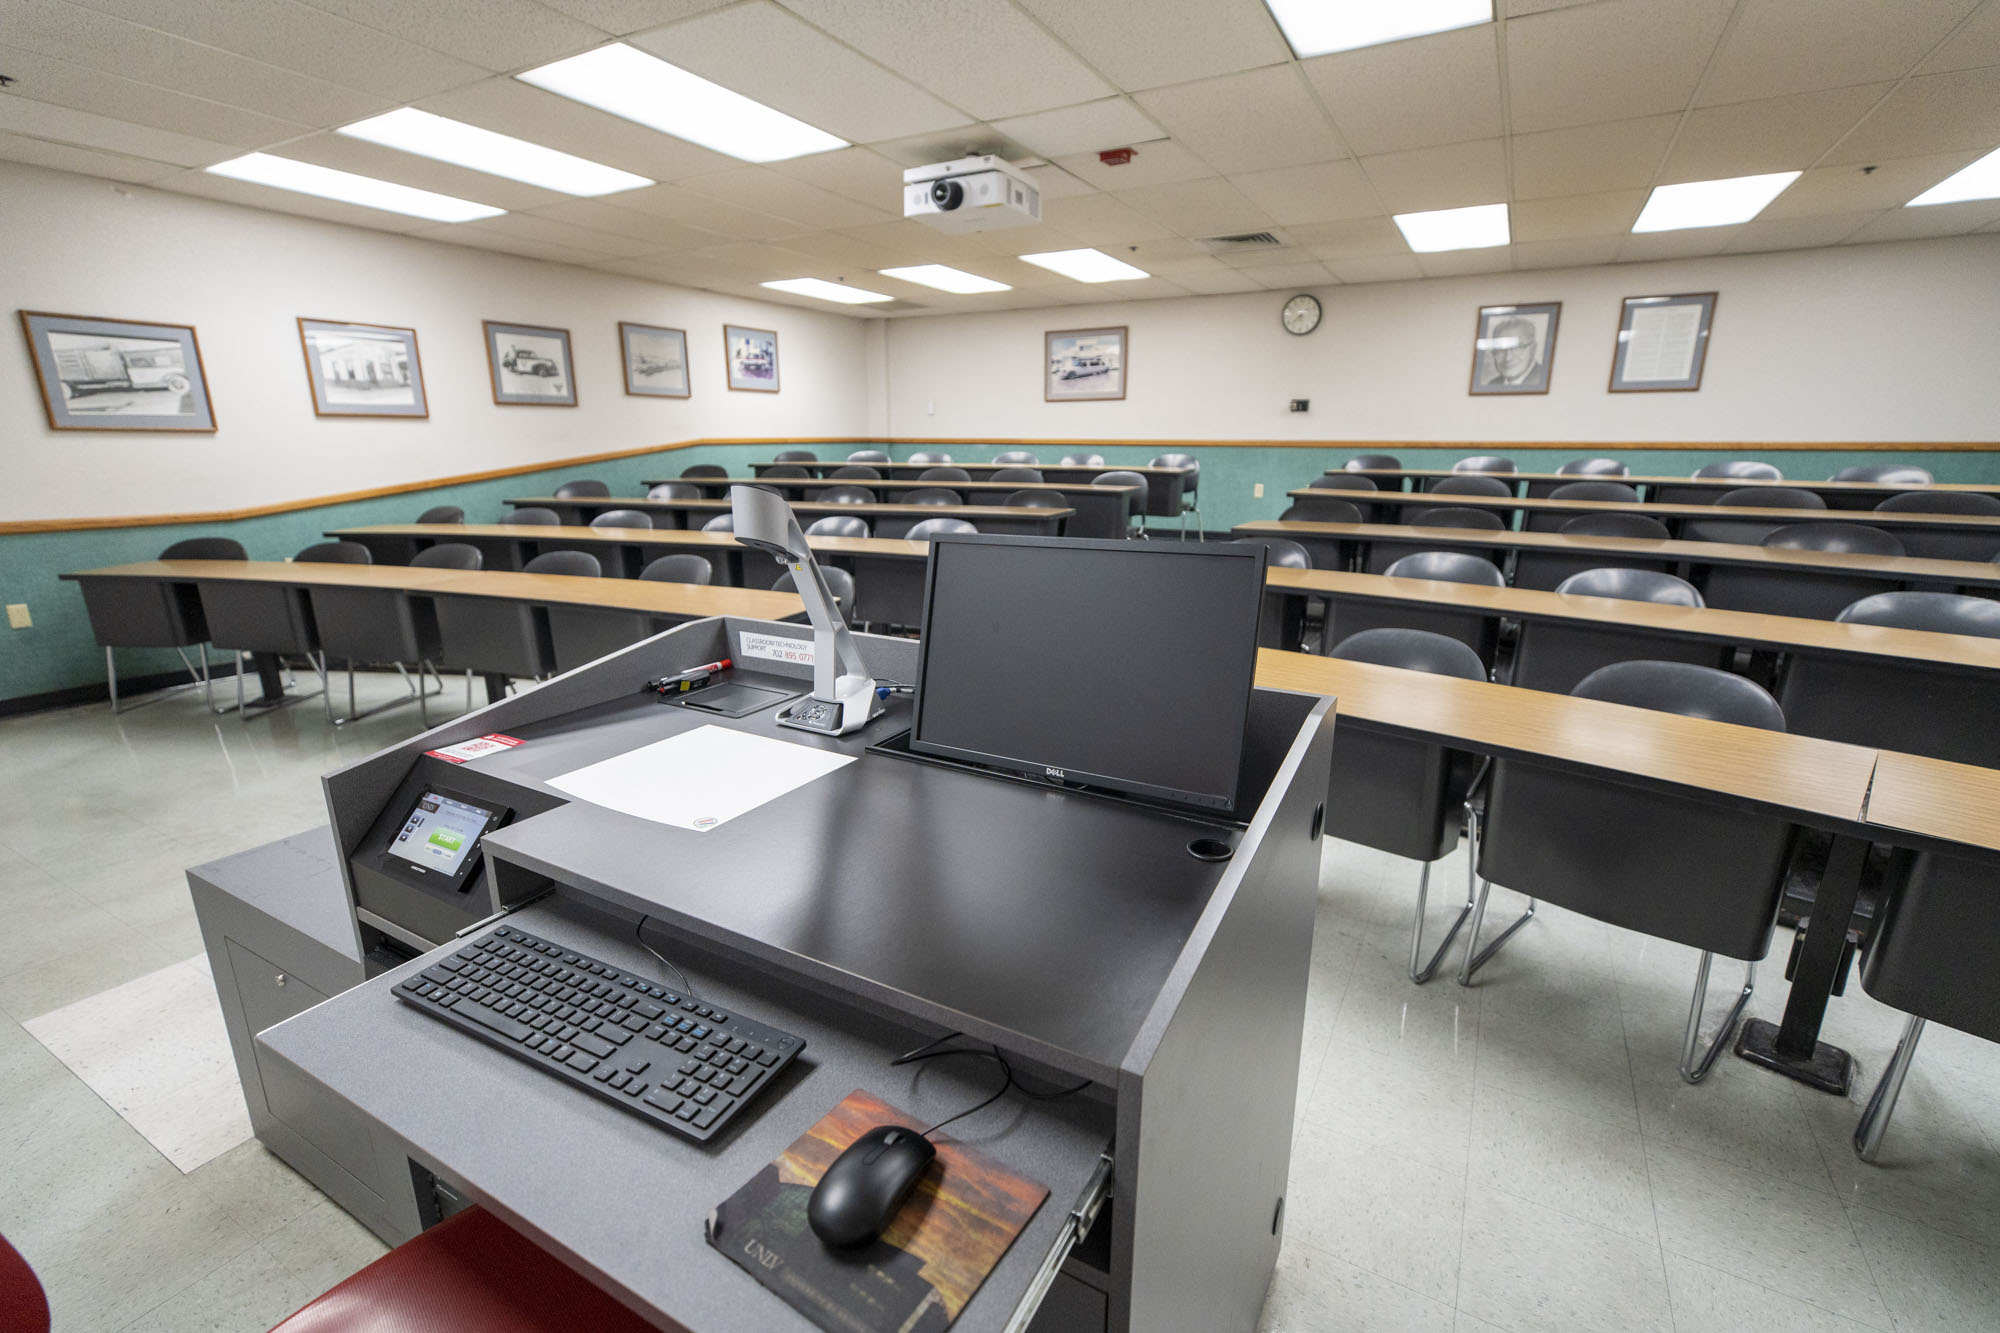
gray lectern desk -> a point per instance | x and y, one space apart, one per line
870 910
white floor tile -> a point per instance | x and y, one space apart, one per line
1376 1210
1707 1298
1531 1269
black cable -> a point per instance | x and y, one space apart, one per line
1008 1079
639 933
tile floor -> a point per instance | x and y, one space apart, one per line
1517 1156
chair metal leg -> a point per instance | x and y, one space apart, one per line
1420 971
111 675
1475 957
1693 1070
1882 1102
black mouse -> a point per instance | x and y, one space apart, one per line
865 1186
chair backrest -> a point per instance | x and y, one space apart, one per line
1485 463
932 495
1615 525
1371 462
846 495
1889 474
206 548
1448 567
792 456
929 456
623 518
1015 474
1177 460
1321 511
1120 478
1449 516
1940 502
1682 687
442 514
1939 612
1412 650
938 527
1741 468
1017 456
576 564
944 474
1036 500
856 472
1472 485
789 471
838 525
673 490
838 581
1593 467
1615 491
582 489
678 569
1342 481
1847 538
1632 585
1083 460
1769 497
1283 553
720 523
335 553
534 517
868 456
449 555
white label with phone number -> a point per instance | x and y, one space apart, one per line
773 648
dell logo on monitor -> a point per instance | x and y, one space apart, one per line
1056 774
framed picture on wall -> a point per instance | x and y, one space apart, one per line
362 370
1662 343
751 356
1084 365
530 365
116 374
1514 348
656 360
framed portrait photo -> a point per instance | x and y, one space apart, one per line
362 370
751 356
1662 343
117 374
1084 365
1514 348
530 365
656 360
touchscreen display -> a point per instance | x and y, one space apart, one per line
440 833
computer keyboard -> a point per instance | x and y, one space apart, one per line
665 1057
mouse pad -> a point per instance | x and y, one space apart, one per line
914 1278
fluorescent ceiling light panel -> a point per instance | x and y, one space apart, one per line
1981 180
827 291
1720 203
627 82
1086 265
464 145
288 174
1319 27
945 278
1474 228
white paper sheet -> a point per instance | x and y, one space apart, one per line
700 779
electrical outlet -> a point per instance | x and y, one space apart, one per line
17 616
1257 491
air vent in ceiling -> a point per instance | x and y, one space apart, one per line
1249 240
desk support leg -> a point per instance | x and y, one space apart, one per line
1794 1048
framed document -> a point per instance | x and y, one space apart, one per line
1514 348
529 365
655 360
1082 365
118 374
362 370
1662 343
751 358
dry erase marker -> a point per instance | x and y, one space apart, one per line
697 673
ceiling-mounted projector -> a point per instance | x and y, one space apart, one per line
971 194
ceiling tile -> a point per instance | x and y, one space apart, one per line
923 150
860 174
422 173
1260 256
1211 207
509 106
1146 43
1776 134
1567 217
1455 176
1413 94
1939 113
1247 122
983 56
706 213
1855 189
1581 252
82 161
527 229
1111 123
1975 43
1692 243
1055 183
626 16
1795 46
1100 219
1617 155
658 233
1170 253
763 51
287 201
1288 277
766 191
1460 263
1010 241
517 246
841 249
1158 163
1609 61
1217 282
61 83
83 129
1916 224
499 35
1802 233
1328 191
1355 238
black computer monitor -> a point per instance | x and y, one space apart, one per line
1118 665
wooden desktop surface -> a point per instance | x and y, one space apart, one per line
896 484
1746 628
1937 798
302 574
1721 513
1714 483
975 468
1770 768
683 538
1021 512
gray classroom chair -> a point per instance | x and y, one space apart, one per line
1485 463
673 490
498 638
1137 518
1404 796
533 516
929 456
838 581
1742 469
1016 475
796 456
702 473
932 495
157 615
1017 456
1190 485
582 489
679 569
570 564
1936 545
944 474
1553 655
1471 484
786 472
1477 630
1372 463
1320 511
1792 592
1603 492
1342 481
273 619
868 456
1035 500
838 525
384 626
205 548
442 514
1887 474
846 495
1593 467
1615 525
1282 553
623 518
1750 532
1082 460
1691 872
856 472
720 523
938 527
1456 516
334 553
1544 570
449 555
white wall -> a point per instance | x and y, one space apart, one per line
242 276
1885 342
